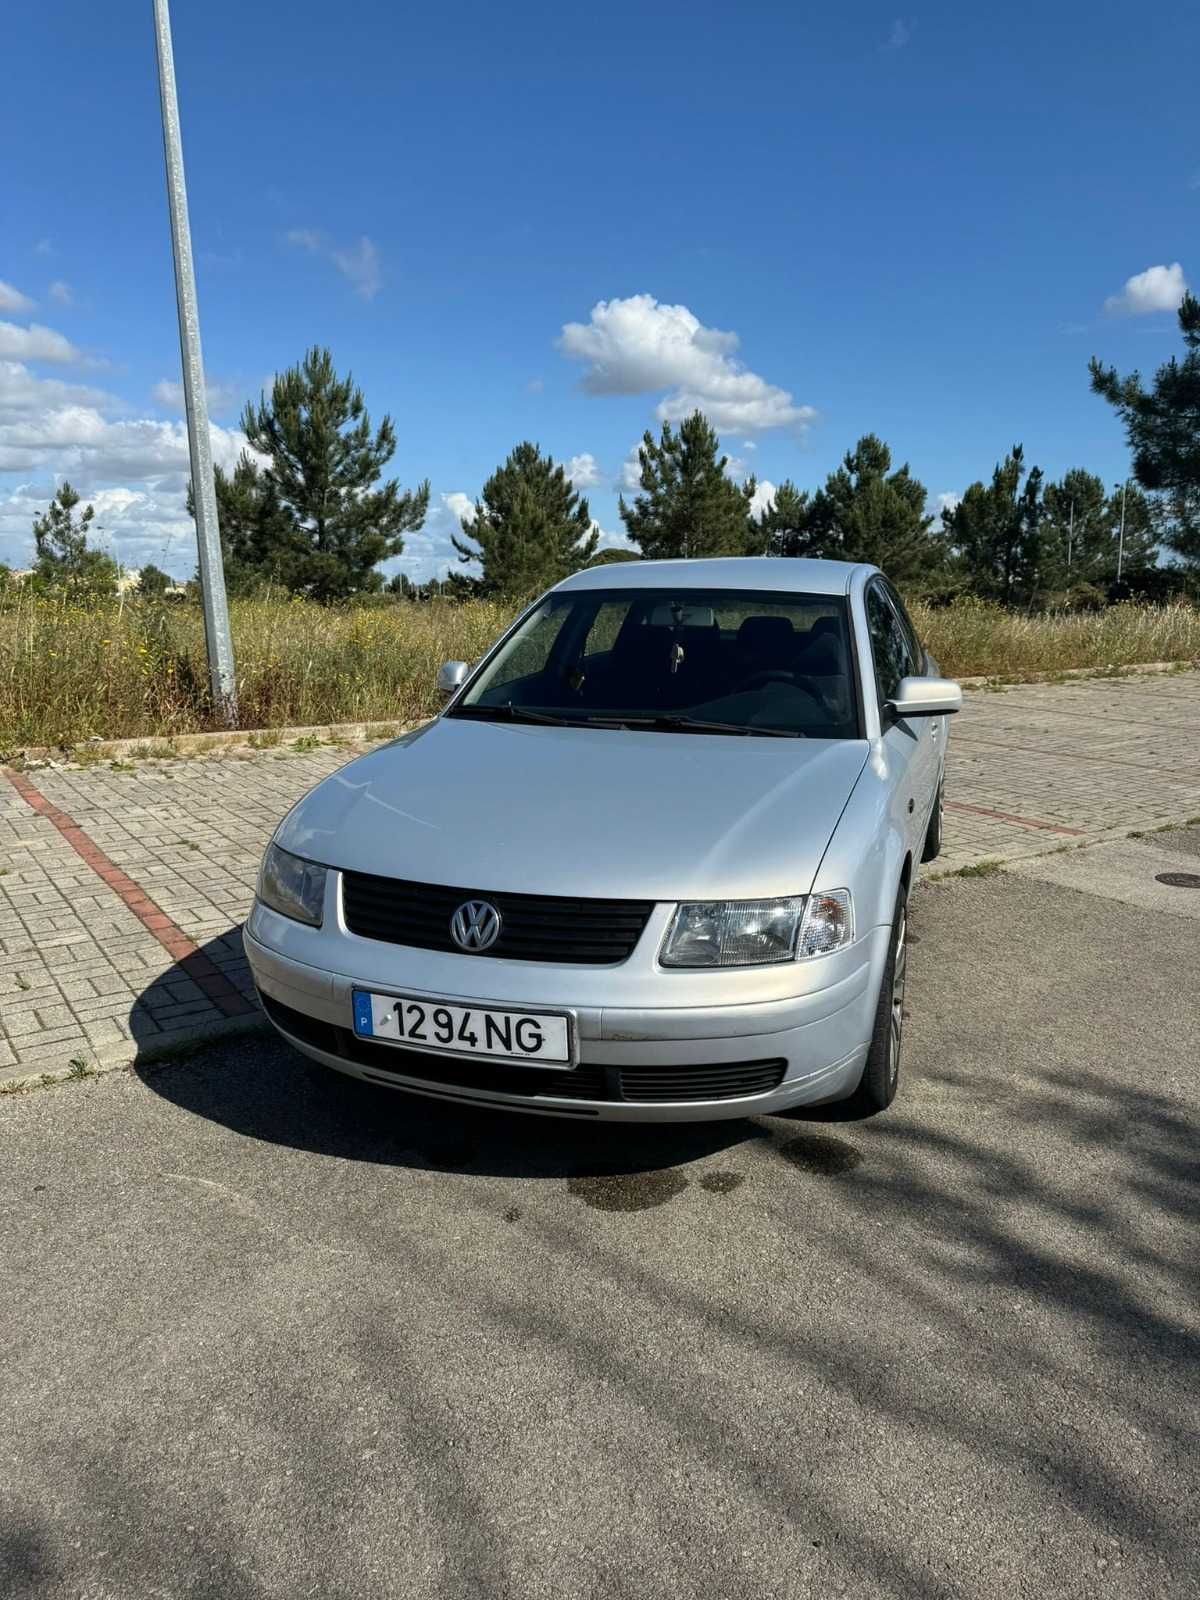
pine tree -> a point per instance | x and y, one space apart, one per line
1162 426
687 507
995 532
319 484
1080 532
153 582
261 543
531 528
867 512
64 560
782 528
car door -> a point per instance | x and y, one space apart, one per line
939 727
912 756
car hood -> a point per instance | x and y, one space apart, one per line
599 812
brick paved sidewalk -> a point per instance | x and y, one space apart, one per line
122 892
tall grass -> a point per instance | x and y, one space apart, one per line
974 639
69 671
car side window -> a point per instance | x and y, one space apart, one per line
906 622
889 645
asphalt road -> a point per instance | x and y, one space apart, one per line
261 1335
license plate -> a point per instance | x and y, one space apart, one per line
535 1038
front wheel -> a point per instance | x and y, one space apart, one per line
881 1075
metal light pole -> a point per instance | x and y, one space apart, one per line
1070 533
212 571
1121 535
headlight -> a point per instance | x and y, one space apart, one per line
755 933
292 886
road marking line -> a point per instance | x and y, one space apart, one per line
186 953
1007 816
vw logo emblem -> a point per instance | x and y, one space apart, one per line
475 926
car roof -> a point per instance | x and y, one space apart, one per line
788 574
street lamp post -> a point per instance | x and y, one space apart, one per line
212 571
1070 532
1121 536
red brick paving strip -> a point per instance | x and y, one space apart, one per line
1007 816
184 951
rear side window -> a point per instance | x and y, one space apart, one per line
891 647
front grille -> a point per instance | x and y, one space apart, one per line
531 1083
729 1080
533 927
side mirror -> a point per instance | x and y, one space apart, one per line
451 677
925 697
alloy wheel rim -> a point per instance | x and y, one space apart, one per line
899 971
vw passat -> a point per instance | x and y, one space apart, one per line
651 862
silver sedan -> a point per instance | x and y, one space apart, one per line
650 863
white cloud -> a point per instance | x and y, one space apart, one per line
735 468
637 346
944 502
460 506
429 552
1157 289
23 394
583 471
134 470
611 541
12 299
749 444
136 525
44 247
75 438
360 263
763 497
899 34
35 343
168 392
61 291
630 477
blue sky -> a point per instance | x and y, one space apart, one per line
812 224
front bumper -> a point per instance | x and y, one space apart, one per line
814 1042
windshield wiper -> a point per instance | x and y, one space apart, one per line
667 721
511 713
677 722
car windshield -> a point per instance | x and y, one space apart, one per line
688 661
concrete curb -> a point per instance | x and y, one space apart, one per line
119 1058
255 741
1015 680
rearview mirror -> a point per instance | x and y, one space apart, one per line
926 697
451 677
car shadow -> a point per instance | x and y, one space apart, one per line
258 1085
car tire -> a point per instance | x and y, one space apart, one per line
881 1074
933 834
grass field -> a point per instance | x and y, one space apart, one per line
68 672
